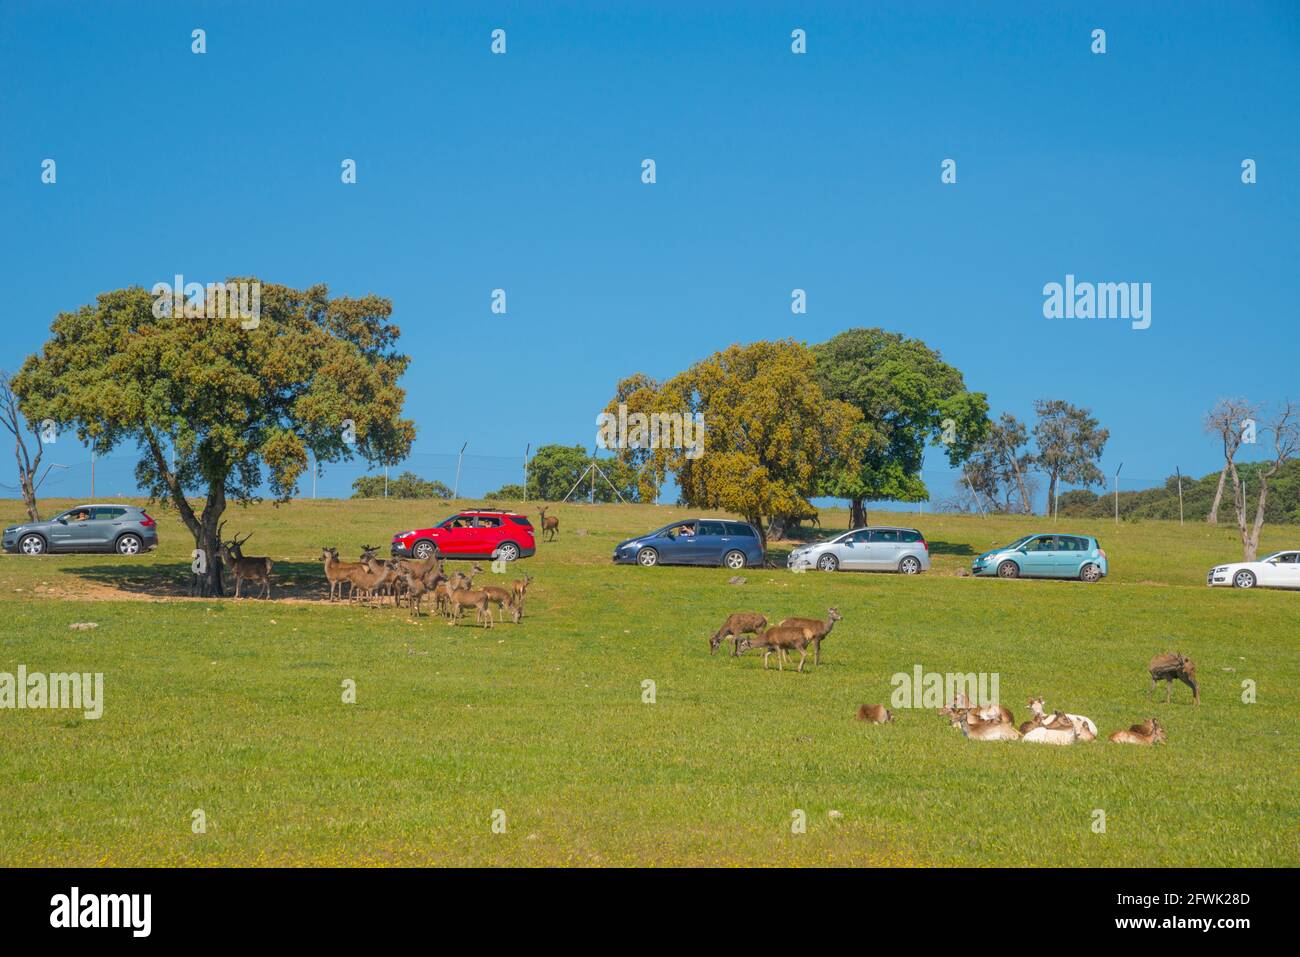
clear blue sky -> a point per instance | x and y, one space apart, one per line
775 171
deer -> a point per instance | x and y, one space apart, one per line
501 597
551 525
337 572
1061 730
817 631
518 589
416 587
737 624
988 712
367 581
779 639
469 598
875 714
382 577
1087 728
254 569
984 730
1167 667
461 580
1149 732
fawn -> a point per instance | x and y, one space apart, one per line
468 598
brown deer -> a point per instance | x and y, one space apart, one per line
1149 732
817 631
416 588
778 640
978 730
1167 667
461 580
254 569
469 598
737 624
501 597
875 714
519 589
1086 727
551 525
336 572
1060 730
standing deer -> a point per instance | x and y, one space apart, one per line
737 624
1170 666
779 639
518 589
337 572
817 631
469 598
254 569
501 597
551 525
416 587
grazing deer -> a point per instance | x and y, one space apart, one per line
519 588
737 624
551 525
817 631
779 639
1060 731
1149 732
254 569
1170 666
985 730
875 714
1086 727
336 572
468 598
500 597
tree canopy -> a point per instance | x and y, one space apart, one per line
406 485
242 407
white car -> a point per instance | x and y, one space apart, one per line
1279 570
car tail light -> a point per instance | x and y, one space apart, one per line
1101 552
148 522
925 544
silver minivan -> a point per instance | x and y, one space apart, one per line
876 549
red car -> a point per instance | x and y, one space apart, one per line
473 533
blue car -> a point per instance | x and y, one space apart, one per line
1045 556
694 542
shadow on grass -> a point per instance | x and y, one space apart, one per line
299 580
950 548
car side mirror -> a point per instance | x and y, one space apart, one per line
62 521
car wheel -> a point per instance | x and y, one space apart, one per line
909 566
507 551
1008 569
129 545
647 557
31 545
1090 573
828 563
423 550
734 559
1243 579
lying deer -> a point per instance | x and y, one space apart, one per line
987 712
817 631
254 569
778 640
1060 730
984 730
737 624
551 525
1167 667
875 714
1086 727
1149 732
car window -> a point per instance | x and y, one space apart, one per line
884 535
487 521
711 528
79 514
106 514
682 528
911 536
1287 558
520 520
740 528
1045 543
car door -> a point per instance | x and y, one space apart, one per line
882 551
708 546
486 535
1039 559
853 550
1068 557
454 535
1282 572
677 544
63 531
104 525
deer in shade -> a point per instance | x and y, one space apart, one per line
737 624
1173 665
257 570
551 525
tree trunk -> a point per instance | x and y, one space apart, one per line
1213 517
1051 496
208 583
857 514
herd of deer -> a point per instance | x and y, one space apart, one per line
792 634
413 580
995 722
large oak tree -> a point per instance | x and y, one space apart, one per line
242 408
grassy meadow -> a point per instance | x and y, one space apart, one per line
235 708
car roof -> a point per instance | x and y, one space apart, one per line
887 528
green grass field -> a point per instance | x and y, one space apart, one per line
236 708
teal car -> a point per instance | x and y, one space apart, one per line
1045 556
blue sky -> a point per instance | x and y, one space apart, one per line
775 172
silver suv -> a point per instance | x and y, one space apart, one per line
124 529
878 549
